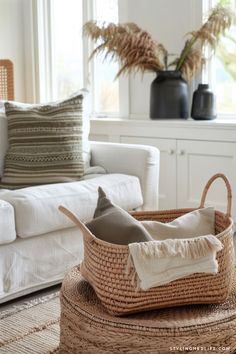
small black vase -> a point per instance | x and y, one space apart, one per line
204 103
169 96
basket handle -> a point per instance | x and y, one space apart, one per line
85 231
229 192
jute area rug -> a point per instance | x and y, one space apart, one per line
32 327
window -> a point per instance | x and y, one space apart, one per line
64 53
222 68
67 47
106 99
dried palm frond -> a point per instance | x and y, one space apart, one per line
133 47
219 20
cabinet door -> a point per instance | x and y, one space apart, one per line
197 161
99 137
167 181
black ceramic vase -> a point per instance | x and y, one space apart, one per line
204 103
169 96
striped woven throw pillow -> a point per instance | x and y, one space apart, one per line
45 143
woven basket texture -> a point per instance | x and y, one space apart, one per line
104 266
86 327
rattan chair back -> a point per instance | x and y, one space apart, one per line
6 80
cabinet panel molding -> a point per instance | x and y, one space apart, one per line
201 160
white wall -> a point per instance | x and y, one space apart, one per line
12 42
168 21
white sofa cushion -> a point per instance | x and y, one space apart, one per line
7 223
36 208
31 264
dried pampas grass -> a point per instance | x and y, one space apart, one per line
133 47
192 56
136 50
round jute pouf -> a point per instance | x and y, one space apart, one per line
86 327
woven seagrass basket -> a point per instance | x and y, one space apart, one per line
104 267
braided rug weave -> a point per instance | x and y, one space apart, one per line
86 327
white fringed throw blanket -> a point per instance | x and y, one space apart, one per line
156 263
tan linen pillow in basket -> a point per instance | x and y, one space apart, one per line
196 223
115 225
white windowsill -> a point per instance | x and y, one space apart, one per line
218 122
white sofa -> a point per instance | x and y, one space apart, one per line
38 243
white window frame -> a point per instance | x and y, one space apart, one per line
209 68
124 97
196 14
40 55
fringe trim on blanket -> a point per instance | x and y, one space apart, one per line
185 248
192 248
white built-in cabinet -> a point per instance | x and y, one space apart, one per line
191 152
168 164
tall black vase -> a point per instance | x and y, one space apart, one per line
169 96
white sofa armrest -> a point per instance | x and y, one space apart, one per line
136 160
